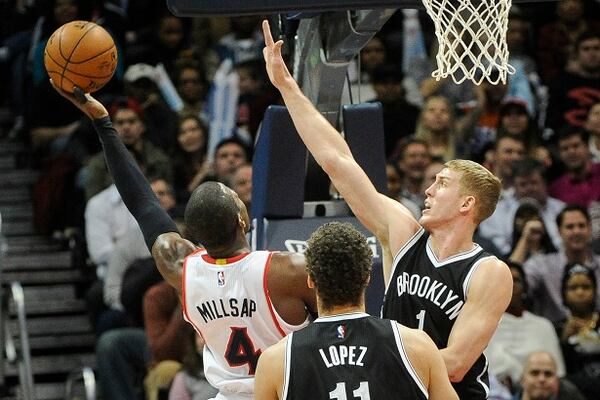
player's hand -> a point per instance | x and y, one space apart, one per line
276 69
84 101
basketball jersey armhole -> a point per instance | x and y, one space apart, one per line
287 368
272 310
474 267
183 294
403 250
406 360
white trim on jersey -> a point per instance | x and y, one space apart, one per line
467 281
287 366
403 250
409 367
341 317
482 383
457 257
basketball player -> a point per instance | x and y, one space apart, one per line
241 302
346 352
439 280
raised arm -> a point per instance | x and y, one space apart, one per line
156 225
487 298
383 216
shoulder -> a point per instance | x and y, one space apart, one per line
274 355
492 276
415 340
294 262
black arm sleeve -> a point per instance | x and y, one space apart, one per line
132 185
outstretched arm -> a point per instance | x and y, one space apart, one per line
134 188
487 298
383 216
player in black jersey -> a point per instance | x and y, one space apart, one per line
347 353
454 292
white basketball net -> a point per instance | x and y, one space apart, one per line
472 39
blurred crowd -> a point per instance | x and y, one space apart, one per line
187 100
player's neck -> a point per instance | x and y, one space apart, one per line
450 242
239 247
337 310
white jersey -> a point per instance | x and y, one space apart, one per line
228 303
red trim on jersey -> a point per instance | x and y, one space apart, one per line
223 261
183 297
268 296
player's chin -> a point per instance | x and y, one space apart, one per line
425 220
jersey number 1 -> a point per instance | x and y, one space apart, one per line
421 318
240 350
339 392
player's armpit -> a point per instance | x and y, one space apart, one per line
169 251
428 363
488 296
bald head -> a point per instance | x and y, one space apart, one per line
539 379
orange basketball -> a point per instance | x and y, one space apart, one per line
80 53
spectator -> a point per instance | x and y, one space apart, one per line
578 88
190 383
394 184
124 355
159 119
399 116
413 159
580 184
229 155
192 86
519 334
507 152
516 122
557 39
540 380
190 162
129 123
436 126
241 183
592 127
580 332
530 236
529 183
545 271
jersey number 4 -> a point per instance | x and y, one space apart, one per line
240 350
361 393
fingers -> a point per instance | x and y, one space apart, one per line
267 33
79 95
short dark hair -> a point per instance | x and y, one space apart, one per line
572 207
568 131
234 140
528 167
339 261
211 216
586 35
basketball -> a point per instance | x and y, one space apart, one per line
80 53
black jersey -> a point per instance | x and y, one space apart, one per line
428 294
349 356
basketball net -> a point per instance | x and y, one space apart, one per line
472 39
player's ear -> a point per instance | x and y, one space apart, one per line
468 204
242 223
310 282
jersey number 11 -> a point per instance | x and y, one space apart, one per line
339 392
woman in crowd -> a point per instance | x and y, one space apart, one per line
436 126
190 161
580 332
530 236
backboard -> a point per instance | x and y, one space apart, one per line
191 8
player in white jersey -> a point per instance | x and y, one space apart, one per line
272 287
